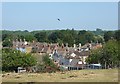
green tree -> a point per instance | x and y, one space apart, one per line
94 57
99 31
110 54
29 38
117 35
7 43
107 56
47 62
84 37
82 32
41 36
89 37
53 37
68 38
100 39
108 35
11 59
4 36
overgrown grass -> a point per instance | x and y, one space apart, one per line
103 75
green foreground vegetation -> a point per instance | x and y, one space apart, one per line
102 75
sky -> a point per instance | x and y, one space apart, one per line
43 15
60 0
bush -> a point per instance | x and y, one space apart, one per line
11 59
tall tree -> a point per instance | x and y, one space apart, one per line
53 37
11 59
108 56
108 35
49 64
7 43
94 57
84 37
110 53
117 35
41 36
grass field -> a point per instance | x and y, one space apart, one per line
108 75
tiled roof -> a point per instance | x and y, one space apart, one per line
45 49
82 53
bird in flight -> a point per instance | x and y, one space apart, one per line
58 19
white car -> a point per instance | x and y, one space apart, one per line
21 70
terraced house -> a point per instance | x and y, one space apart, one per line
70 58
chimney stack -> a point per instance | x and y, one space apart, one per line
79 45
66 45
74 45
62 45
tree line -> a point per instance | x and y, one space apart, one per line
53 36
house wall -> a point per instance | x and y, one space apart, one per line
73 55
28 49
21 49
84 59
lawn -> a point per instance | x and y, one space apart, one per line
103 75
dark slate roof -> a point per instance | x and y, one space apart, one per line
61 59
55 56
64 61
